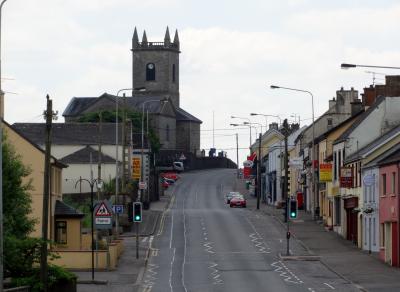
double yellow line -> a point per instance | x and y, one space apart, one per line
161 228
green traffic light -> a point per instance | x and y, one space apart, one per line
137 218
293 214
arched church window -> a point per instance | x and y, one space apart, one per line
167 133
173 73
150 72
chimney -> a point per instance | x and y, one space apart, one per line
273 126
356 107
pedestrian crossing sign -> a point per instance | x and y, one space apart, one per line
103 211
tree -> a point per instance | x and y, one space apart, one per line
19 249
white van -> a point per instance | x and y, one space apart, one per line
178 166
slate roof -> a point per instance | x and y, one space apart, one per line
73 133
393 158
381 157
79 104
357 155
359 120
65 211
182 115
82 156
325 135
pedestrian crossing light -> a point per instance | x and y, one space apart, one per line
137 212
293 209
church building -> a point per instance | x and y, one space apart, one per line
155 69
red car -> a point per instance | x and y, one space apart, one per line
170 175
165 185
238 202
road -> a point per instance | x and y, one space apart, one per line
203 245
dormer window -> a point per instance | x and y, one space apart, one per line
150 72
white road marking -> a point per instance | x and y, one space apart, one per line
144 239
172 230
185 242
284 272
170 272
311 290
330 286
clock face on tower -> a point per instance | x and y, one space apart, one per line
150 66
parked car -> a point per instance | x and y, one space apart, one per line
230 195
170 175
168 180
178 166
238 202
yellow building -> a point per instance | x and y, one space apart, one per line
33 157
328 190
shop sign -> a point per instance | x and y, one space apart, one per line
368 180
325 172
346 177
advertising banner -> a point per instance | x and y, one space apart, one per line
136 167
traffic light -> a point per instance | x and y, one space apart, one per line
137 212
293 209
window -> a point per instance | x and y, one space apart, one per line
392 183
167 133
383 184
150 72
173 73
373 189
330 122
61 232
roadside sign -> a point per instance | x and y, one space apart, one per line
142 185
325 172
183 157
118 209
136 167
103 215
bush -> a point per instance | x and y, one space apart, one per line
56 275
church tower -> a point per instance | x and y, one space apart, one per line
155 66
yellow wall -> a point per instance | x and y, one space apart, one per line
33 158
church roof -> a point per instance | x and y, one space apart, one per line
82 156
73 133
79 104
182 115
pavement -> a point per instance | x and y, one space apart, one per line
129 271
342 257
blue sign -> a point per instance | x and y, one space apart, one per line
118 209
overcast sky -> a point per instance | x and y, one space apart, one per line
231 52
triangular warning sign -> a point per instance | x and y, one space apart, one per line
103 211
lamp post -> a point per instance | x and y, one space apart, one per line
99 185
348 66
247 123
165 100
117 146
314 197
266 121
243 118
1 167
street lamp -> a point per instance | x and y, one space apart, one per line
163 101
117 146
243 118
247 123
313 138
99 185
348 66
1 168
266 121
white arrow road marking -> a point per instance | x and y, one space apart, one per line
330 286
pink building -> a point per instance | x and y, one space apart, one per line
389 173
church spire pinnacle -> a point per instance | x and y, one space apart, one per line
144 38
135 39
176 39
167 38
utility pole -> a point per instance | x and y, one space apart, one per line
49 115
237 155
285 185
123 179
100 143
259 173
